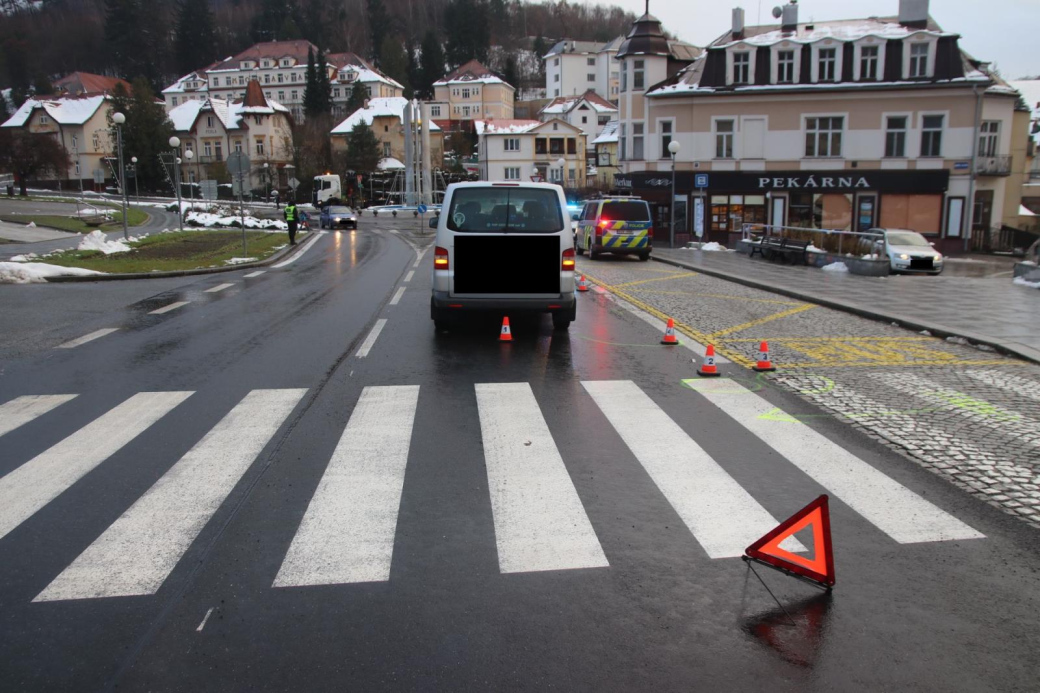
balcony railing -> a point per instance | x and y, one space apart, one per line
993 166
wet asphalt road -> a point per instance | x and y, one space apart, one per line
937 615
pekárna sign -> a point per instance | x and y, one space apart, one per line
930 181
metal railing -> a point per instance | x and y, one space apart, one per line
856 243
993 166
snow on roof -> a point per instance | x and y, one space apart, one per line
608 135
197 76
505 126
684 87
842 30
390 164
471 73
1030 91
230 113
65 110
384 107
565 104
184 116
362 68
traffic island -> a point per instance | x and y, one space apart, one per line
865 266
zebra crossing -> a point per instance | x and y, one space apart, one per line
347 534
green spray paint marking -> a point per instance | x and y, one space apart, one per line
975 406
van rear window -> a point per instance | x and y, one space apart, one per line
526 210
625 211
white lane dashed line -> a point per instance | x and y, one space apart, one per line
87 338
306 246
167 309
219 287
370 340
253 274
419 257
397 296
408 277
204 619
394 231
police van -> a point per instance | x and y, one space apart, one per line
617 224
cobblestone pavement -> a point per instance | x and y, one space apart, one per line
968 414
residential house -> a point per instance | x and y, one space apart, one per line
386 118
80 124
471 92
280 67
530 149
849 125
604 157
86 84
589 111
575 67
214 128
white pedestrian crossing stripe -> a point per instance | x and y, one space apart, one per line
347 533
348 530
136 554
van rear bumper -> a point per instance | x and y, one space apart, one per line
441 300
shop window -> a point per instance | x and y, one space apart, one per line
921 213
724 139
931 135
801 211
785 67
868 63
895 136
837 211
823 136
730 212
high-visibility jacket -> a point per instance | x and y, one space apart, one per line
290 212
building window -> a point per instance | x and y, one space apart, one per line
988 134
435 111
556 61
895 136
386 150
571 174
823 136
335 93
868 63
741 67
44 120
591 77
209 121
219 151
637 74
512 144
624 143
238 146
512 173
267 79
75 143
207 149
258 119
281 78
465 93
666 138
96 141
591 62
723 139
260 146
827 61
624 79
227 81
603 120
918 60
175 101
294 94
931 135
785 67
637 141
77 169
281 96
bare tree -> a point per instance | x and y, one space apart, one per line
30 155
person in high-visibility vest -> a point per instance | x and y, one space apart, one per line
291 218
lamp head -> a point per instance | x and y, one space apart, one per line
175 141
673 147
189 155
133 160
118 118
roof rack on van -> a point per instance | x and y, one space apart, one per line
608 196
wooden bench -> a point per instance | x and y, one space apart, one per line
772 247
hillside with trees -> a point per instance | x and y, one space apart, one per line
160 40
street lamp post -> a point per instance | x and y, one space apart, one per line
175 143
673 149
189 155
267 181
119 119
137 191
561 162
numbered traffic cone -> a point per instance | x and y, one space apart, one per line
506 335
669 333
764 364
583 284
709 369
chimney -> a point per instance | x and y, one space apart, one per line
913 13
790 17
738 22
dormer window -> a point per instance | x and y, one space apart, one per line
868 63
785 67
285 62
827 64
918 60
741 67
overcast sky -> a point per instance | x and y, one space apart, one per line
999 31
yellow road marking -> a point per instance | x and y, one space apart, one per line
678 275
762 321
900 364
724 296
785 340
681 326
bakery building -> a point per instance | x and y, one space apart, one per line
846 125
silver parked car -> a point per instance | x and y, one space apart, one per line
909 251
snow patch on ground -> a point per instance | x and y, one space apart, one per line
957 340
239 260
1022 281
835 267
24 258
222 219
713 247
37 272
95 240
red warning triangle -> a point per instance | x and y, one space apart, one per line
820 568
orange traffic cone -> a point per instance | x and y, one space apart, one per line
583 284
709 369
764 364
506 335
669 333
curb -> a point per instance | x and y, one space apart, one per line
280 255
1008 349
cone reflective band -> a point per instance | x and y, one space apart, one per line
669 333
583 284
709 369
506 335
764 364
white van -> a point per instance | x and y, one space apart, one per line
504 247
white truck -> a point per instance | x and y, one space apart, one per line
326 187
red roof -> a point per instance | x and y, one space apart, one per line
255 95
271 49
78 83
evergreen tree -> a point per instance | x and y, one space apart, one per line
378 22
275 16
146 132
323 100
311 99
394 62
136 38
42 85
431 64
414 70
357 98
194 35
469 33
363 151
512 75
5 112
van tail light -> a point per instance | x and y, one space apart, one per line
568 260
650 232
440 258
